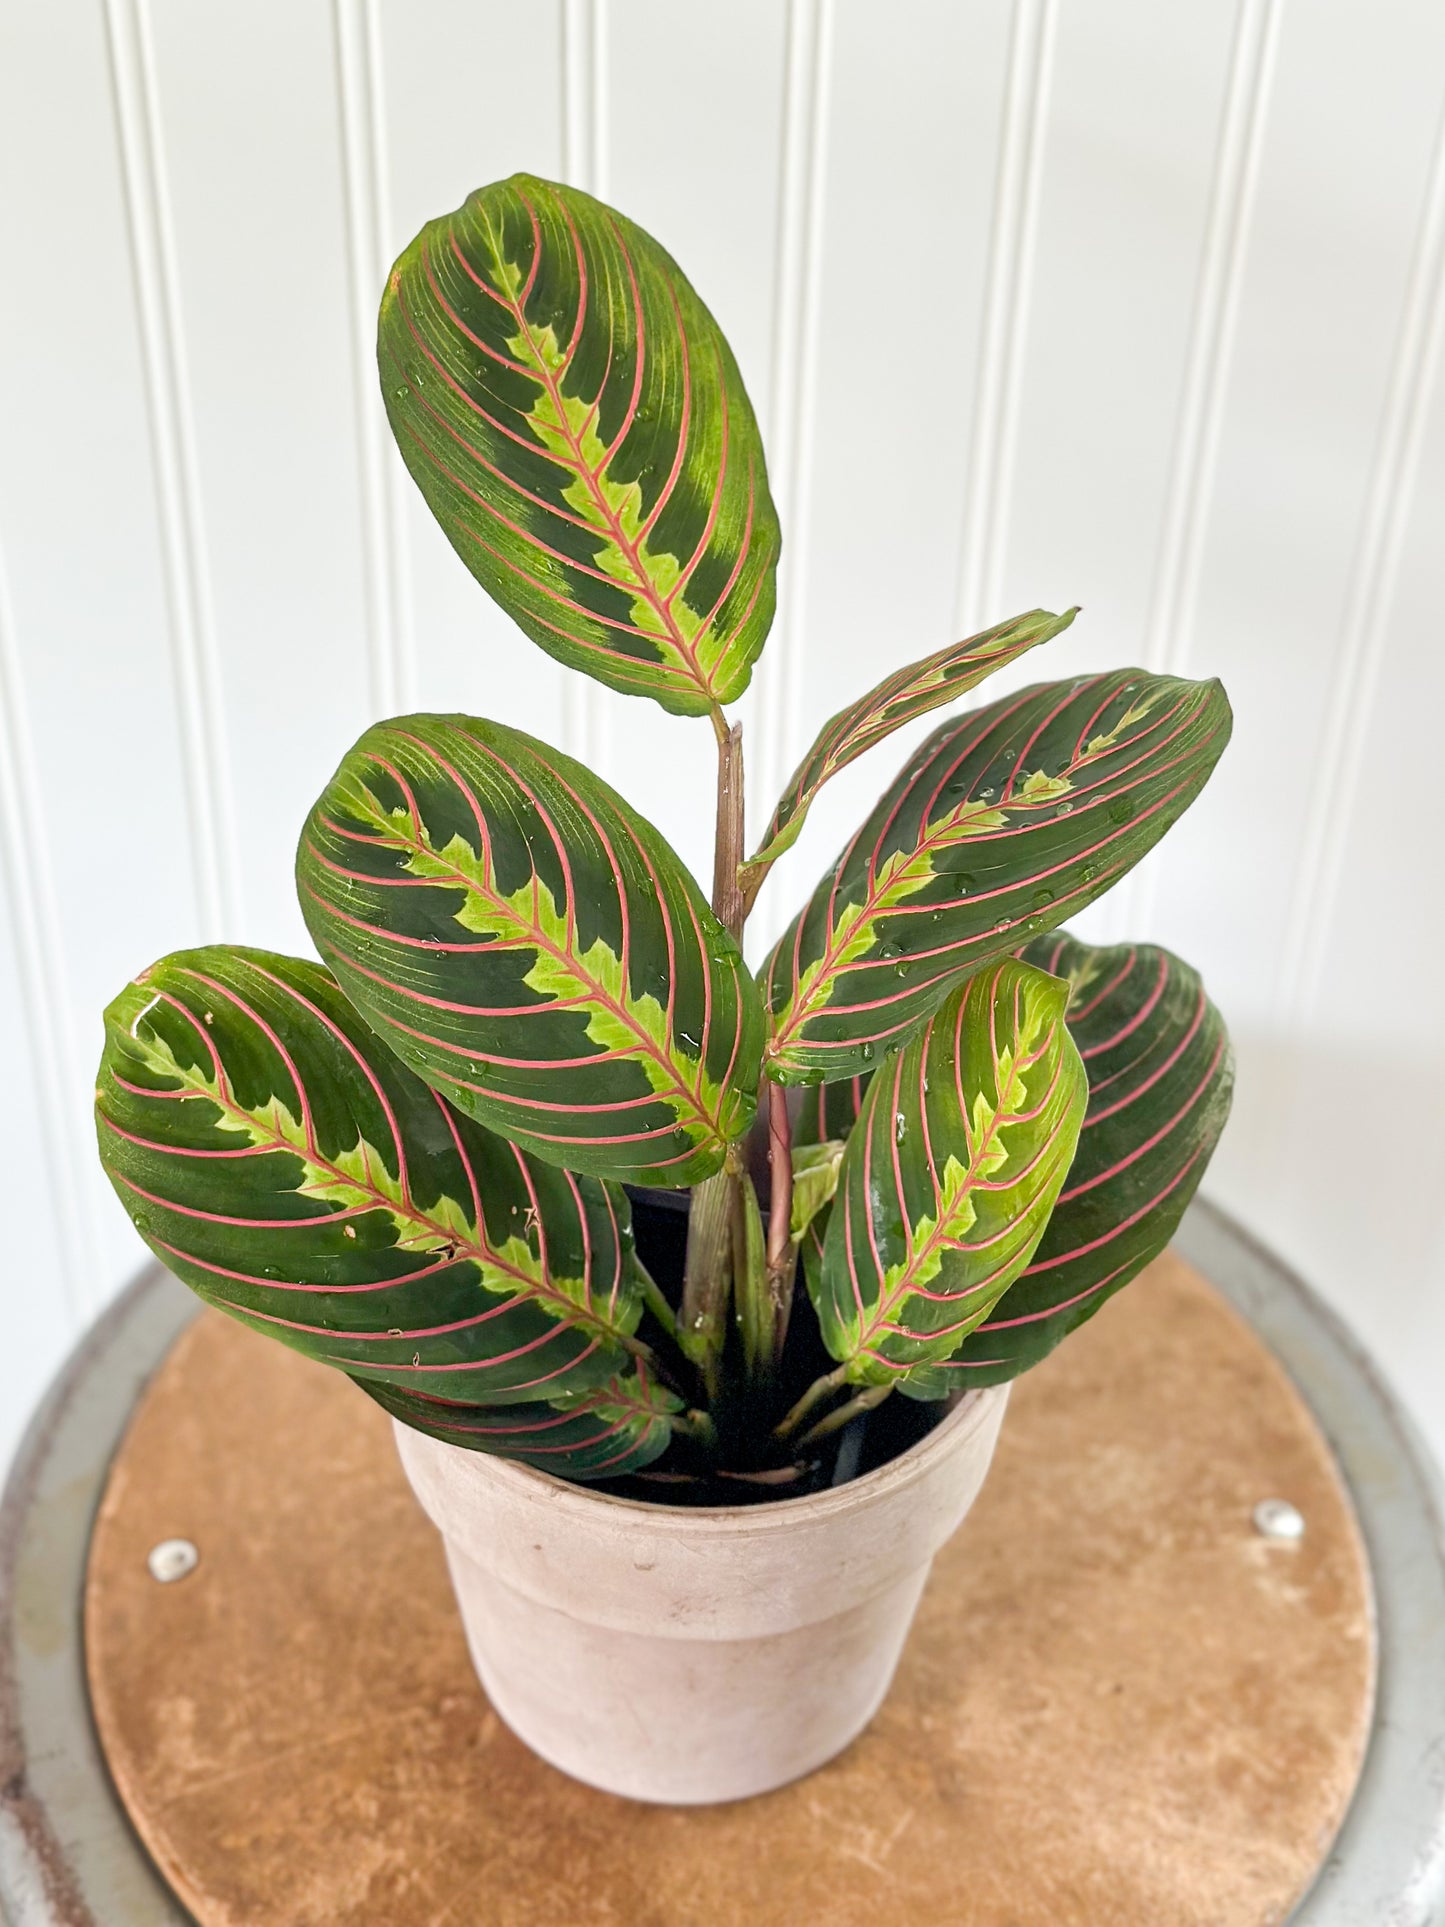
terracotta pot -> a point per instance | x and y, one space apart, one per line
694 1654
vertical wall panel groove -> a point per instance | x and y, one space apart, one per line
1336 769
584 165
28 867
1216 307
1175 594
1012 238
364 173
179 512
792 385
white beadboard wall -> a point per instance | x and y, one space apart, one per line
1040 301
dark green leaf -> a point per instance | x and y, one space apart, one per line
533 948
963 1141
594 1435
578 426
1160 1081
900 698
294 1173
1001 825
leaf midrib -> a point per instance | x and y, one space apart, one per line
660 605
477 1250
536 938
939 1236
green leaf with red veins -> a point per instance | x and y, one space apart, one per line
533 948
578 426
618 1428
900 698
294 1173
1002 824
1160 1080
962 1145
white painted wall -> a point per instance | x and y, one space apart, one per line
1040 300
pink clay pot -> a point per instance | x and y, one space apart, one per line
691 1655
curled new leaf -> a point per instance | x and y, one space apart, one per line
1001 825
292 1172
949 1176
618 1428
900 698
533 948
578 426
1160 1081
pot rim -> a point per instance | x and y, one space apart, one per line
776 1515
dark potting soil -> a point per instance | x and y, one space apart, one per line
755 1476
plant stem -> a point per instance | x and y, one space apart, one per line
673 1373
752 1300
693 1424
845 1414
702 1323
639 1349
727 896
820 1389
782 1254
753 876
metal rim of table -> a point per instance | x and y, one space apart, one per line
67 1852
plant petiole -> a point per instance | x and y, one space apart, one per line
845 1414
820 1389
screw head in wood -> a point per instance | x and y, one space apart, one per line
172 1559
1277 1519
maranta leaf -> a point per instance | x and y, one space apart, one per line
579 428
620 1427
961 1147
533 948
900 698
293 1172
1001 825
1160 1080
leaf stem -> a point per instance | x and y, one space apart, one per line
752 1300
702 1323
782 1252
820 1389
693 1424
638 1347
727 896
845 1414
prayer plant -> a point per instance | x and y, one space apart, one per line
418 1160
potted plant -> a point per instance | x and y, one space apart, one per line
535 1159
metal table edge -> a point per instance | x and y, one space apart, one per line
1386 1865
68 1854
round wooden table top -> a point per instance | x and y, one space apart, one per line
1121 1704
